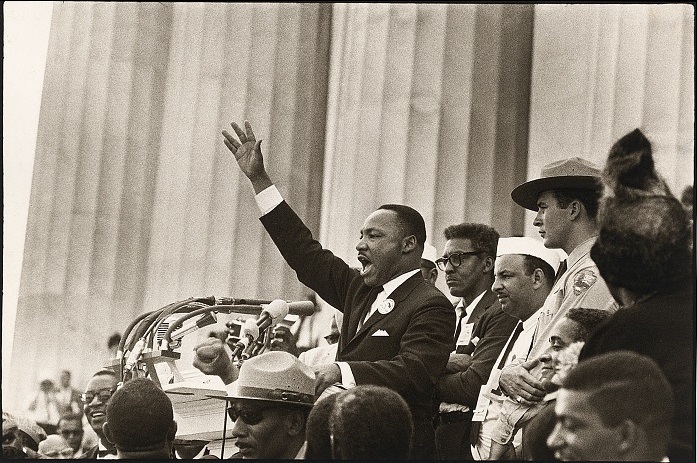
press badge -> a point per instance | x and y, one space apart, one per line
465 335
482 404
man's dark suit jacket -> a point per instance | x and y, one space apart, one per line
493 330
661 327
419 329
492 327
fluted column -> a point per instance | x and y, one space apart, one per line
136 202
600 71
427 107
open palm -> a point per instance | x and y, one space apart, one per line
247 150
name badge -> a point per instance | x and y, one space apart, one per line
482 404
465 335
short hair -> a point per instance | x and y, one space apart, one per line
410 221
371 422
483 237
687 198
70 417
139 415
105 372
113 340
587 320
319 445
590 198
530 263
625 385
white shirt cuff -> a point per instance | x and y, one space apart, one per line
268 199
347 378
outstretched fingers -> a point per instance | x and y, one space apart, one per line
240 133
250 133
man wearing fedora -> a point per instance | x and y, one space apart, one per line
269 405
397 328
566 199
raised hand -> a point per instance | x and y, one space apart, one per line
247 152
211 358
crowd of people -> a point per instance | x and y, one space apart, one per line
578 346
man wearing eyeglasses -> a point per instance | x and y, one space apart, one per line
397 328
480 334
70 427
269 405
98 391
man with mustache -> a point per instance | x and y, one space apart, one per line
481 332
524 273
98 391
397 328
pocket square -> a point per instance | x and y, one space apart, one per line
380 333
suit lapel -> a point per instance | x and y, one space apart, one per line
484 303
398 295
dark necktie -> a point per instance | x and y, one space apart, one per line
477 425
459 324
374 291
560 271
509 346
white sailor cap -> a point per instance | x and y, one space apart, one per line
430 254
530 247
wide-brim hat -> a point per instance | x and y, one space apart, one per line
274 376
567 173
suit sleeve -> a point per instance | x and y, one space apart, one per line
317 268
463 387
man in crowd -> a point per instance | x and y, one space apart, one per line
644 252
140 421
574 328
55 447
429 272
98 391
370 423
67 398
481 331
566 201
616 406
70 427
524 273
269 404
397 329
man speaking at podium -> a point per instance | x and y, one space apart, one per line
397 329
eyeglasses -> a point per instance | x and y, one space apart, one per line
250 416
67 452
455 259
72 432
103 394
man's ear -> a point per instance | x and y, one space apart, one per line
295 421
488 264
574 209
629 434
538 278
107 432
172 431
408 244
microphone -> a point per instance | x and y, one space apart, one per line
304 308
191 326
248 334
272 313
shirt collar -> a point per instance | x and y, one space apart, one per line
580 251
473 304
532 320
394 283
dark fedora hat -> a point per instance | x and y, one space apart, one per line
568 173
